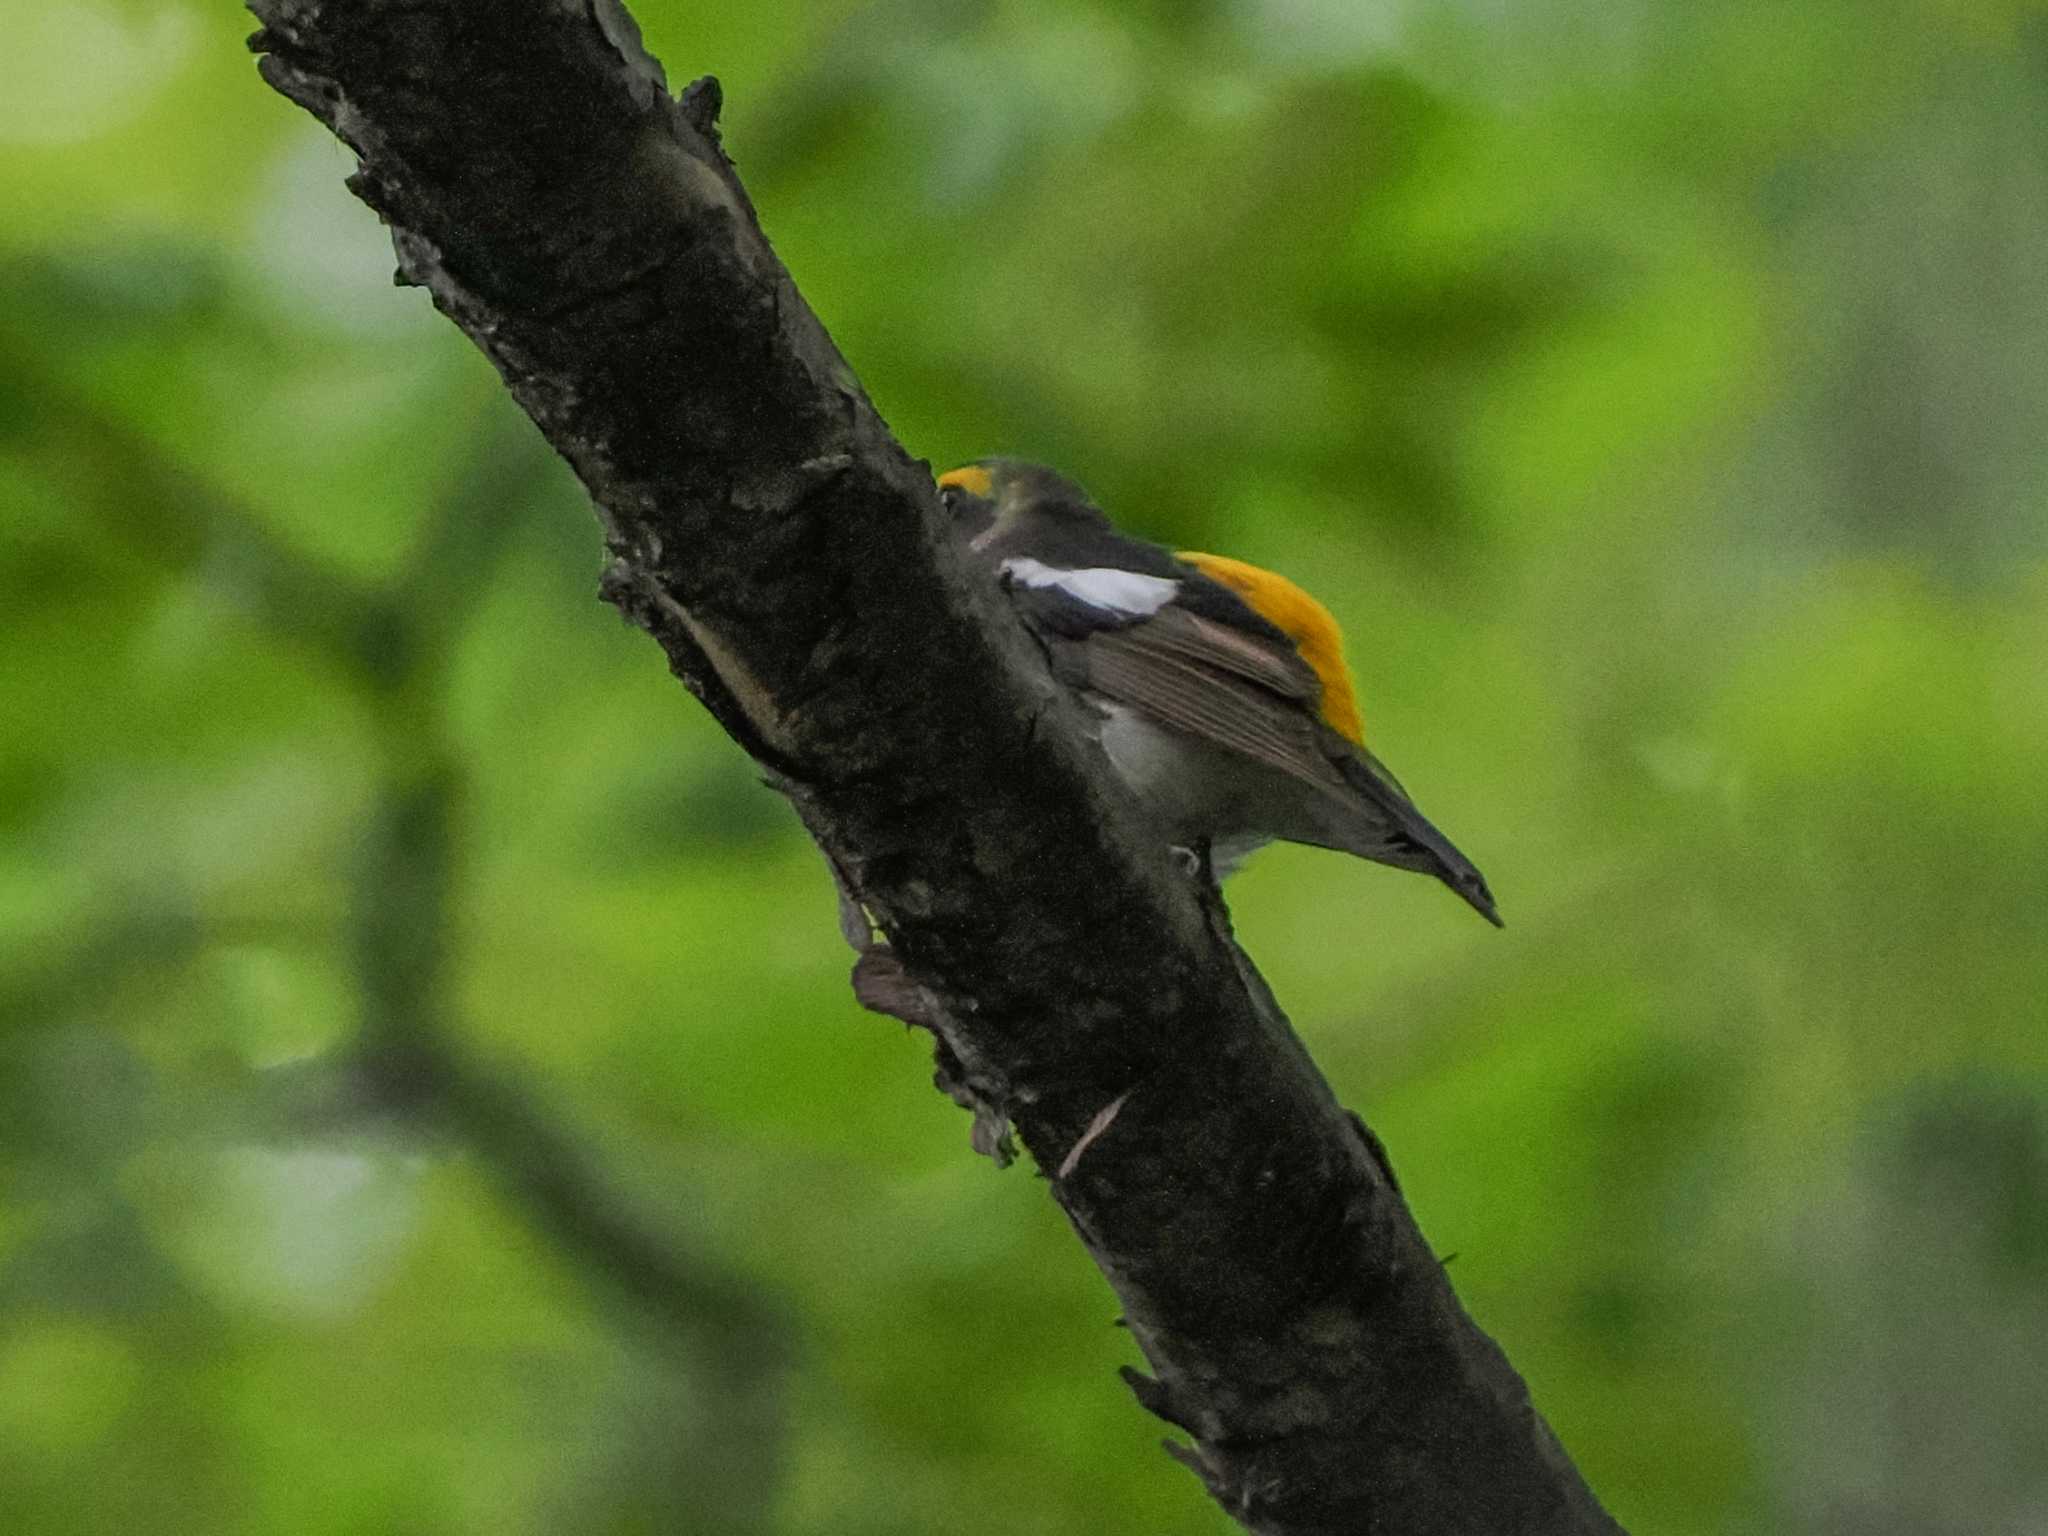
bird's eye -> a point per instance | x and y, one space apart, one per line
950 495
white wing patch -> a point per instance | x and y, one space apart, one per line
1099 586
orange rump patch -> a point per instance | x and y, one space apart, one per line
1301 619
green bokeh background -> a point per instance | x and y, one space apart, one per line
430 1097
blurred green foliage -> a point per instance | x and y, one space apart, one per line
430 1098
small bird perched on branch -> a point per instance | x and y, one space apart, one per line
1220 689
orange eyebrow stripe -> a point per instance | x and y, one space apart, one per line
1301 619
971 478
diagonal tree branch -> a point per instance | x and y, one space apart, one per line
589 235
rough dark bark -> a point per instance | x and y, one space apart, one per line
590 236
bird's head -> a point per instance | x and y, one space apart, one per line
1001 504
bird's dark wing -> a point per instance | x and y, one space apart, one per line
1236 691
1203 663
1268 661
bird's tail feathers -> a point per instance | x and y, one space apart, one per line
1400 835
